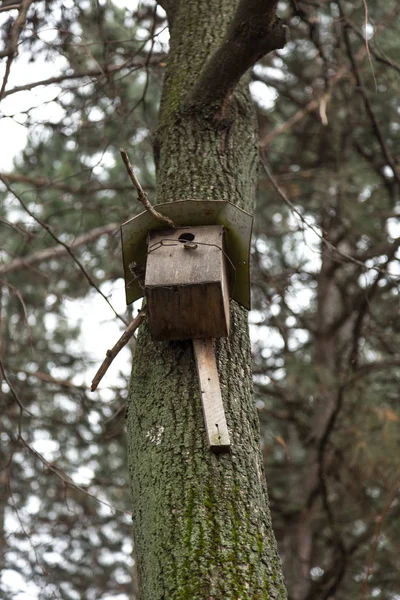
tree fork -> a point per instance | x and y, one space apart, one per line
201 521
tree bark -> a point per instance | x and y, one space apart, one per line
201 521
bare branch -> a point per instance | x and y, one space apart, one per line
331 247
57 251
310 106
67 481
378 57
68 250
142 196
367 103
155 60
86 187
14 393
11 49
45 377
111 354
298 116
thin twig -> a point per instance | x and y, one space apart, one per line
142 196
17 293
24 531
331 247
111 354
378 55
47 228
378 531
49 379
57 251
57 184
111 70
367 44
367 103
11 49
67 481
310 106
15 394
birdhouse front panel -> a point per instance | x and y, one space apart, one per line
186 283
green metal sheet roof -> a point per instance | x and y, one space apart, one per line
189 213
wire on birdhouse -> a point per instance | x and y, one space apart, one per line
174 242
138 272
142 196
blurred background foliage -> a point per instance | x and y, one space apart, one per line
325 321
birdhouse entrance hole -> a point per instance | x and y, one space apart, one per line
186 283
186 237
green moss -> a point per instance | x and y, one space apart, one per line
260 544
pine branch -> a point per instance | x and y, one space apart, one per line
57 251
11 50
135 63
68 250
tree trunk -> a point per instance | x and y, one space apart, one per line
201 520
331 359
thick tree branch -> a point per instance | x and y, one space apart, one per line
254 31
169 7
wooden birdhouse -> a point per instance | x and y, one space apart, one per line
190 274
237 226
186 283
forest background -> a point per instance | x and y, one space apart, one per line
325 274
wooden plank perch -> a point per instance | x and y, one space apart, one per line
213 408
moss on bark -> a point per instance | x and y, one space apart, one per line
202 523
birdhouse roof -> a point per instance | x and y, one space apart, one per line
190 213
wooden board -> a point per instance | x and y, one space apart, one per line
213 408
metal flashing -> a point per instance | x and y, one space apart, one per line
238 226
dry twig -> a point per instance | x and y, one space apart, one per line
367 103
379 520
57 251
11 49
315 229
111 70
111 354
47 228
340 74
142 196
66 480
